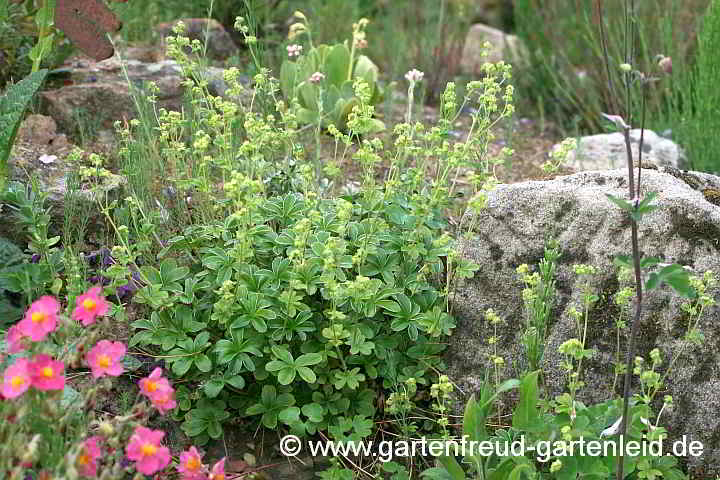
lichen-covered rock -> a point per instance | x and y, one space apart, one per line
98 93
503 47
590 229
220 45
607 151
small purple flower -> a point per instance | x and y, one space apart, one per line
35 258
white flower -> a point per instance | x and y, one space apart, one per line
316 77
294 50
414 75
47 159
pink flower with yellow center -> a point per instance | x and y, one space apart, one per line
40 319
89 306
145 449
105 358
154 383
86 461
14 339
164 399
218 471
16 379
46 373
191 466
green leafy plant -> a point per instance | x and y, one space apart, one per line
539 296
315 312
547 430
13 105
11 259
28 204
322 80
638 206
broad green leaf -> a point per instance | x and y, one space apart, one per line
203 363
288 72
337 64
286 376
308 359
452 467
307 374
214 387
13 104
526 411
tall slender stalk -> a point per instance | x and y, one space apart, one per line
629 54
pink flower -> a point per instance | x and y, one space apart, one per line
158 389
40 319
17 379
316 77
14 339
191 466
294 50
104 358
46 373
87 460
145 449
149 386
164 400
90 305
218 471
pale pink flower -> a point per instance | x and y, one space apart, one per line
294 50
16 379
14 339
86 461
46 373
89 306
40 319
218 471
105 358
145 449
191 466
316 77
414 75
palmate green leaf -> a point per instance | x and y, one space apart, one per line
620 202
674 275
12 108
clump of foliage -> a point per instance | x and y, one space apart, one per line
294 307
322 80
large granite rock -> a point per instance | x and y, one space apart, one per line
504 47
607 151
592 230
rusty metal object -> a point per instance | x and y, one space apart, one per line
85 23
